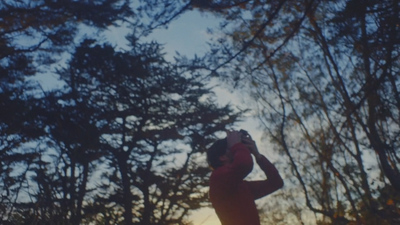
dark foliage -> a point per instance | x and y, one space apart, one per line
120 142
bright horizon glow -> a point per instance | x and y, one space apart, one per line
205 216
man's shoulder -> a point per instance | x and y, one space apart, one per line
220 171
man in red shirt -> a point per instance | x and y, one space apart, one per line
231 196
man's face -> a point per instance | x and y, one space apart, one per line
228 157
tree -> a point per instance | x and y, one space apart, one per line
121 142
33 35
151 116
323 77
139 120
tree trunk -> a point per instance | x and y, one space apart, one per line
126 187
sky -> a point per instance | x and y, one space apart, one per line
188 35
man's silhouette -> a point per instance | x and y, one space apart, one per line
231 196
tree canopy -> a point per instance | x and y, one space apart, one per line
120 142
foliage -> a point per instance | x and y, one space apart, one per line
34 33
121 142
153 126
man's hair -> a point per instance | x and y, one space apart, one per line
216 150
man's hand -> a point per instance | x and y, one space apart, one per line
251 144
233 137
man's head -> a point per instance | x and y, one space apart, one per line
215 152
218 154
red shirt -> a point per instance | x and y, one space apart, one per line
231 196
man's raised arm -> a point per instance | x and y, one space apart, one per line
273 183
274 180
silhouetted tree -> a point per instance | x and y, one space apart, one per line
33 35
121 142
154 120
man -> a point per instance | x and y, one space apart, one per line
231 196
